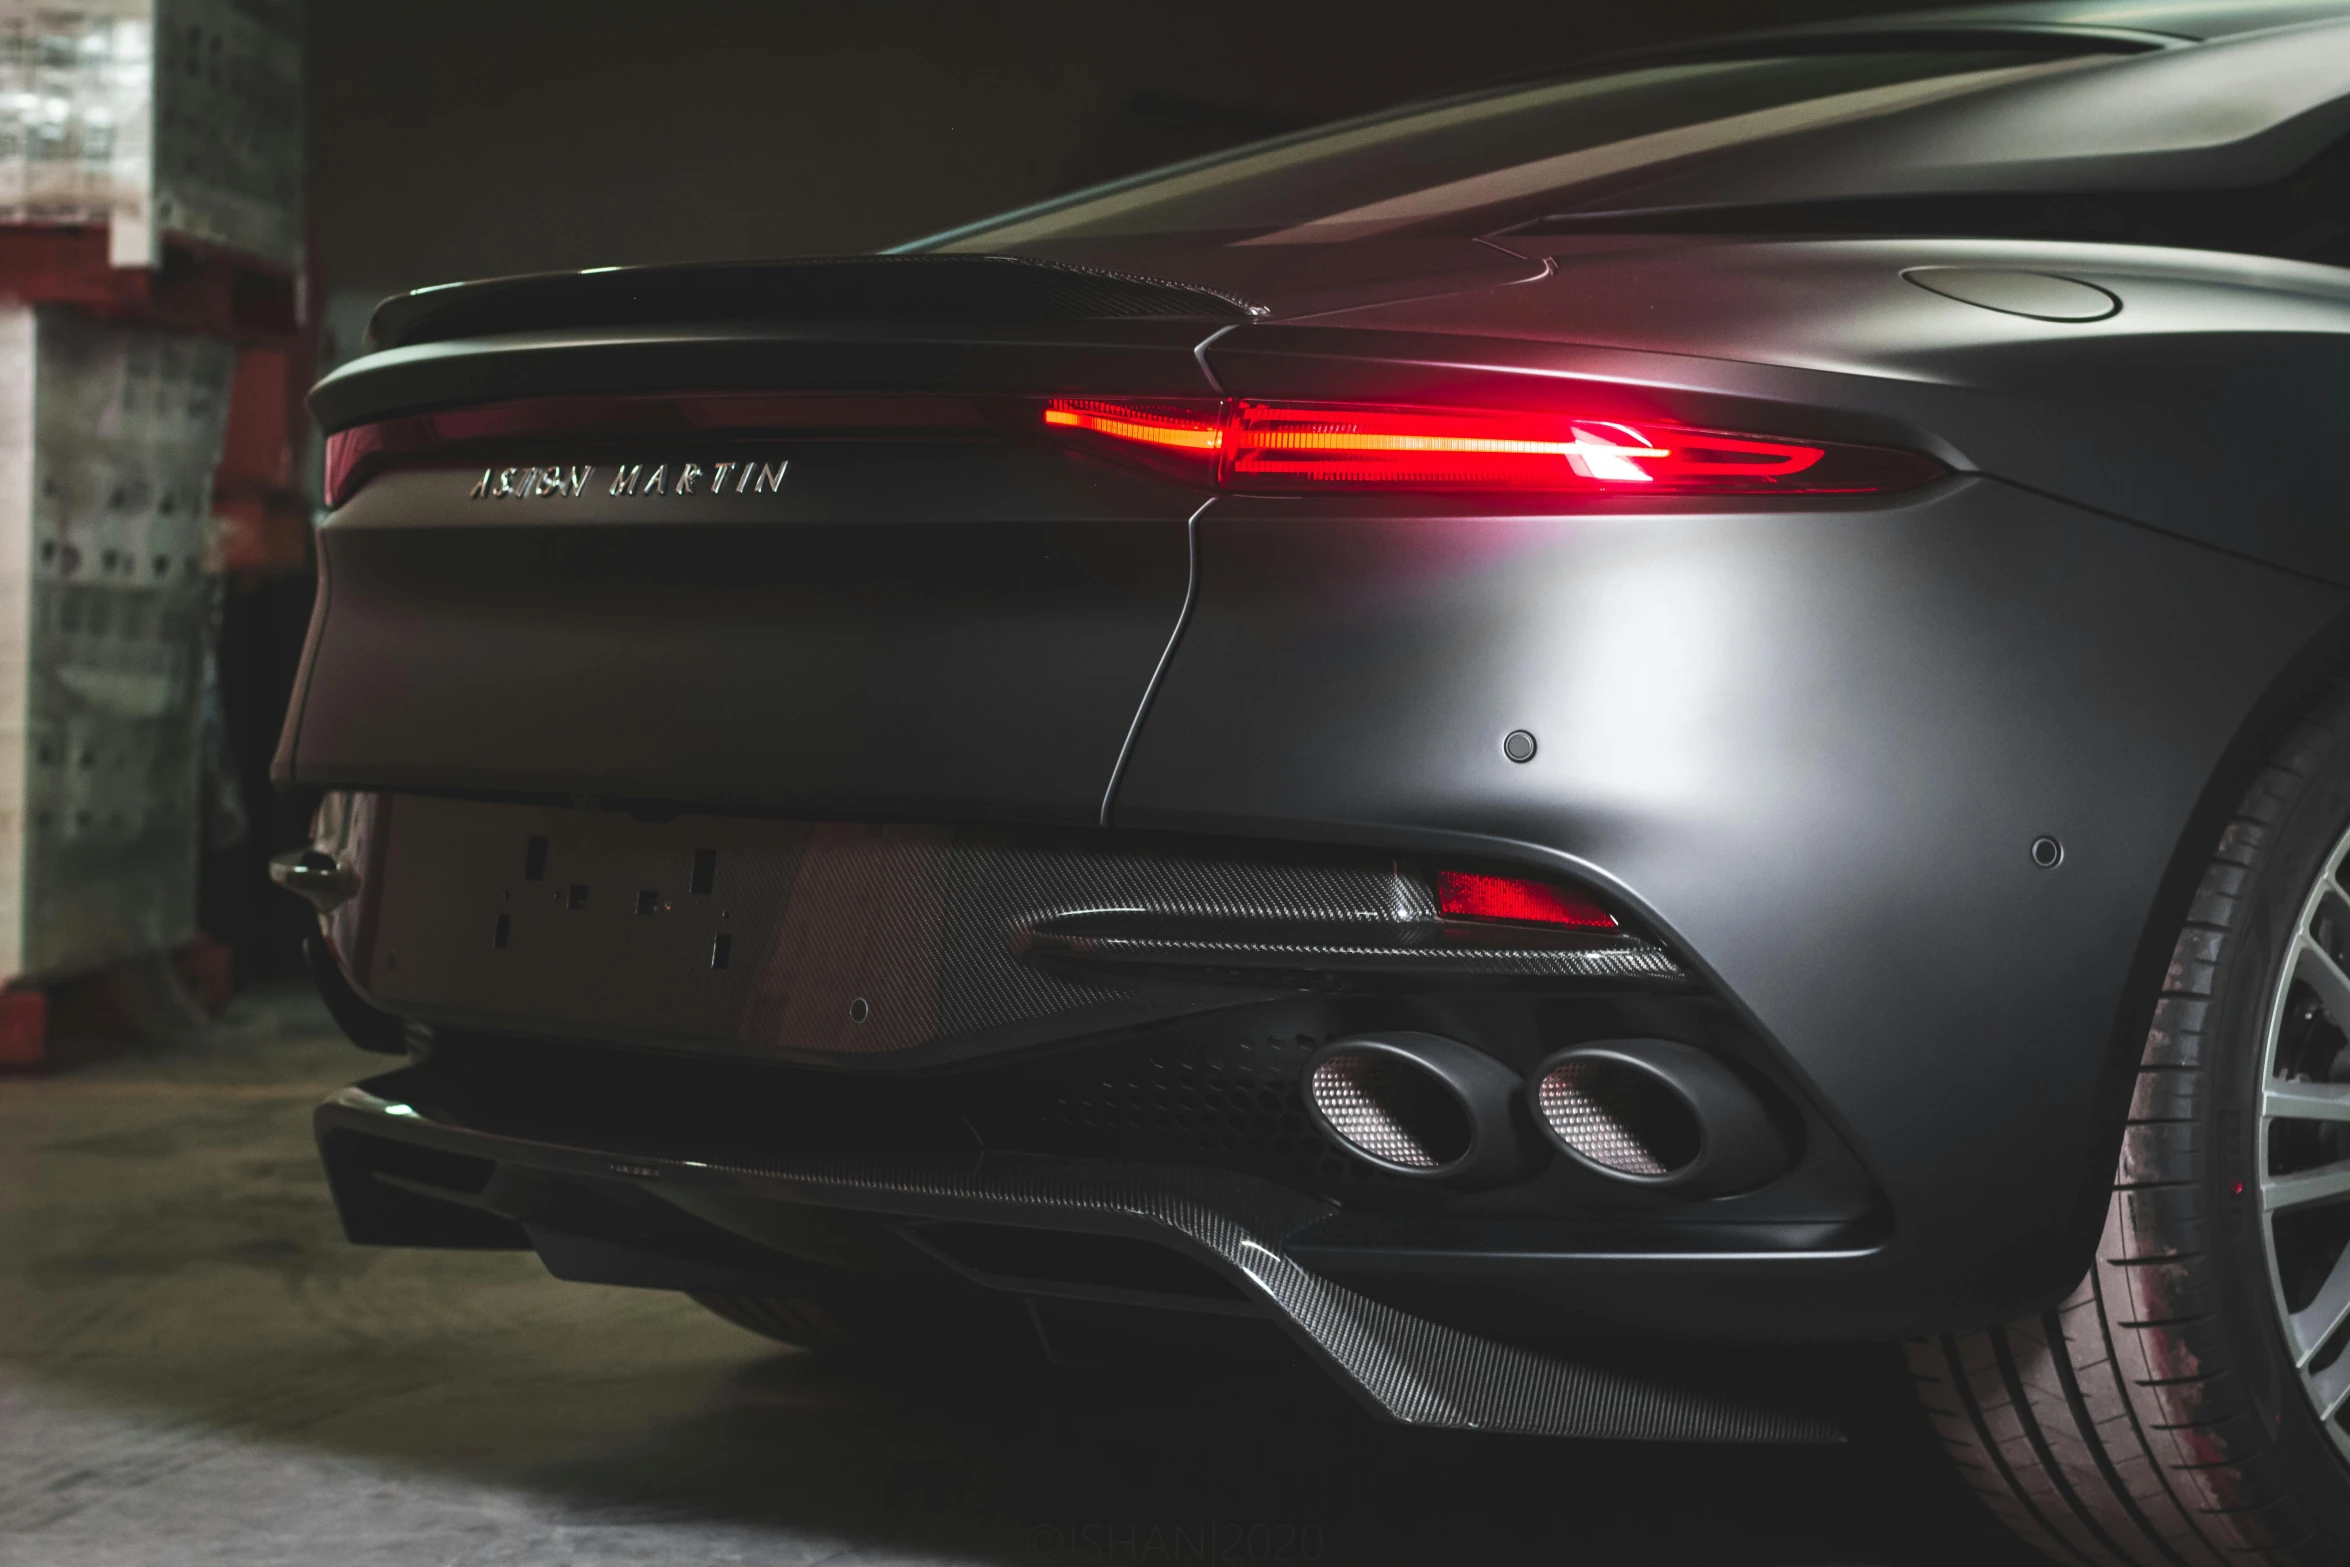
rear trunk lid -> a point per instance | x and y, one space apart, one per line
570 557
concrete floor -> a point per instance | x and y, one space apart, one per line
196 1368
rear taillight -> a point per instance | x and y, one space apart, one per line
1180 427
1280 448
1323 448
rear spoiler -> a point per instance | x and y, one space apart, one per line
903 289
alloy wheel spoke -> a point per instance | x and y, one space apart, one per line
2323 1317
2290 1101
2326 1183
2333 901
2303 1110
2316 968
2331 1388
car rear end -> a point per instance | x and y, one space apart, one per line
1491 810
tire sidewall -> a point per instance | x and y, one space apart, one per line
2315 812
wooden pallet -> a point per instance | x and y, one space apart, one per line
258 492
115 1003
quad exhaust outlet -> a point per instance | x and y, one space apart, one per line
1648 1112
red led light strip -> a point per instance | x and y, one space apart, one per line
1129 423
1591 455
1314 447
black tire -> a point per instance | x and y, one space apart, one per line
2155 1418
967 1334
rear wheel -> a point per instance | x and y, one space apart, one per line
2189 1404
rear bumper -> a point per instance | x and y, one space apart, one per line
1809 749
889 989
642 1209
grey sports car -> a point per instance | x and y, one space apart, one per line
1526 749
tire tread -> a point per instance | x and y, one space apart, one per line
2113 1430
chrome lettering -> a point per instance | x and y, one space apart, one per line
633 478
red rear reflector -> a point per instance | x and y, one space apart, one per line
1469 896
1320 448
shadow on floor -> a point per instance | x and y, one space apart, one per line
195 1367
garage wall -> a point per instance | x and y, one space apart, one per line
463 138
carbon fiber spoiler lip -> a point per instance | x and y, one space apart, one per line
1404 1368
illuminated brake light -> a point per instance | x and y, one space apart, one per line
1293 447
1322 448
1593 451
1466 895
1176 431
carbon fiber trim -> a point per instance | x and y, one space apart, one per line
849 942
1408 1369
1448 949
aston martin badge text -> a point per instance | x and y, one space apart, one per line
632 478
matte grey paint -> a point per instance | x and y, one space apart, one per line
1814 745
2190 19
2243 110
975 646
2210 405
2035 294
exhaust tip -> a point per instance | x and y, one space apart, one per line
1659 1113
1390 1109
1419 1105
1616 1115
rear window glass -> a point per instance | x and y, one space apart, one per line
1463 164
